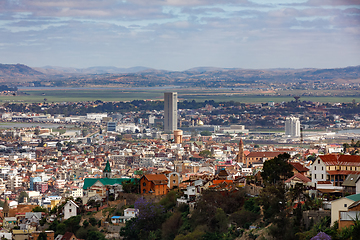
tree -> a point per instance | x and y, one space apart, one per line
277 169
170 200
322 236
72 224
139 227
39 209
244 218
205 153
60 229
84 132
85 223
42 236
219 222
22 196
93 221
171 226
205 133
273 198
95 235
131 186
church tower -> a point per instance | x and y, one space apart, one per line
107 170
241 157
6 208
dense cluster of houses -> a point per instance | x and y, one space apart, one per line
39 171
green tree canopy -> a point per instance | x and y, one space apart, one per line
42 236
39 209
205 153
22 196
205 133
277 169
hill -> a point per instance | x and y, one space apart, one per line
196 77
18 72
91 70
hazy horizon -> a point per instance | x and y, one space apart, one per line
179 35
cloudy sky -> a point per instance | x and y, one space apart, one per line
181 34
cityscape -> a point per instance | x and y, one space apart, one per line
179 120
102 169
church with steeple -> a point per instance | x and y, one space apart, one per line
101 184
107 170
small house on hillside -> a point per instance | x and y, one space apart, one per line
70 209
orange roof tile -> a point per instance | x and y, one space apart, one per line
155 177
264 154
342 172
216 182
299 176
299 167
345 160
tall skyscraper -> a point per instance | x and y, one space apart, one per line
170 111
292 126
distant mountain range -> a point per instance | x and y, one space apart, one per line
90 70
22 75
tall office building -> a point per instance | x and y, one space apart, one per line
292 126
170 111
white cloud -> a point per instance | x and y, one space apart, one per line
176 34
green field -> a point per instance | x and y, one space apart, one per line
111 94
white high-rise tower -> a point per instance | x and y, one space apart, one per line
292 126
170 111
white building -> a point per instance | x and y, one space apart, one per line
70 209
234 129
14 182
292 127
77 192
127 128
96 116
170 111
318 171
131 212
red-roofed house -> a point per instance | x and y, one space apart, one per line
298 178
154 184
260 156
299 168
334 168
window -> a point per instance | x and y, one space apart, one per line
319 161
144 191
322 176
315 168
174 181
322 168
314 176
70 210
144 184
345 205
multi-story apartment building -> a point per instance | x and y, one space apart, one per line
334 168
292 127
